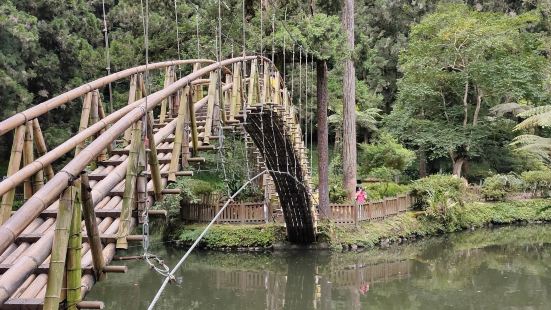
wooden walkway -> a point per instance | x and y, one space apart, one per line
37 242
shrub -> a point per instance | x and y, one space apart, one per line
538 182
438 194
377 191
498 186
337 193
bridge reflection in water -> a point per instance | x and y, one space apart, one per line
258 281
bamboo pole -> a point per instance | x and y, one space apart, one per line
41 148
210 107
92 230
74 269
101 115
141 182
277 89
153 160
197 89
28 158
194 133
84 119
221 101
129 187
179 133
162 115
265 97
59 250
253 95
236 89
131 99
13 166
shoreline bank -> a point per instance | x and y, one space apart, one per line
402 228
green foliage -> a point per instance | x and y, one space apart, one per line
460 63
498 186
538 182
233 236
378 191
439 195
384 153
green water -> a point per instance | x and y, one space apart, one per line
505 268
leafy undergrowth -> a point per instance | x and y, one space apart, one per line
233 236
369 234
411 224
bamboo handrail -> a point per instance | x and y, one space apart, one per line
34 112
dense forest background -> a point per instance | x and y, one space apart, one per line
439 83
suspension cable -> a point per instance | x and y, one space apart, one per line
188 252
107 57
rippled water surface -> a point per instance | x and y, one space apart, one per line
505 268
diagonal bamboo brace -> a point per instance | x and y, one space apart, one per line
13 166
92 230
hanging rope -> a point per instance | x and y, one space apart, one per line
107 57
312 114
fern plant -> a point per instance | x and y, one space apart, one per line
534 118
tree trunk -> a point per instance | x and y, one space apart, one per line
323 138
458 166
422 163
349 110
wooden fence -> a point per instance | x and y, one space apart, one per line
372 210
236 213
256 213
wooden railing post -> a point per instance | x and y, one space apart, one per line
253 94
13 167
194 133
242 212
56 271
92 230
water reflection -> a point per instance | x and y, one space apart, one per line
504 269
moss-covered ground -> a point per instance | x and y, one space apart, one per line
409 225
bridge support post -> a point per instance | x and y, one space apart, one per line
153 159
92 230
212 93
194 134
179 133
74 269
13 167
59 250
133 95
41 148
129 187
84 118
253 94
28 157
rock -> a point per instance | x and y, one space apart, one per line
354 247
345 247
385 243
258 249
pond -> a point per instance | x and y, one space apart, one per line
502 268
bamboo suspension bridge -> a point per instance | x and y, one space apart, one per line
65 235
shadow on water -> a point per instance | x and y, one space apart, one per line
505 268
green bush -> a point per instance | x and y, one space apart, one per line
438 195
498 186
337 193
538 182
377 191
